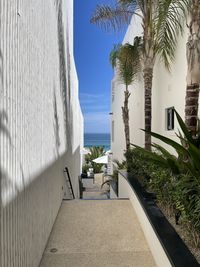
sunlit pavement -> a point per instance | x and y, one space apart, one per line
97 233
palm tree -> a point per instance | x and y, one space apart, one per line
193 72
155 22
193 62
126 61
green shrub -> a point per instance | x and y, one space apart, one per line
113 179
177 194
95 152
118 166
187 199
175 180
85 168
138 166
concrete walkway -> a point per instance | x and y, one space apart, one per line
98 233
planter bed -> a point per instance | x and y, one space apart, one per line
166 245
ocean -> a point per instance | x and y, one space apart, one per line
97 139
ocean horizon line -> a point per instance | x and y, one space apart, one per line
97 133
97 139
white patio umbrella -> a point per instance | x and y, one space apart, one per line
108 152
101 160
85 151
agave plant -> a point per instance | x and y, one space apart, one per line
183 184
188 159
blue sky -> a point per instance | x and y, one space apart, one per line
92 46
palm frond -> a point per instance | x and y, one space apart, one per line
127 67
171 15
114 54
120 165
195 155
128 2
135 53
127 60
184 128
112 17
108 182
198 134
179 148
170 159
131 4
152 155
126 72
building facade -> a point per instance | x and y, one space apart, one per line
168 90
41 124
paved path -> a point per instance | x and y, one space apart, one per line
97 233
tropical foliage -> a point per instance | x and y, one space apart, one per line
188 159
113 179
177 195
127 58
94 152
193 72
161 21
175 179
119 166
192 52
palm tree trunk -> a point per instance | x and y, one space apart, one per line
193 72
191 107
148 77
125 115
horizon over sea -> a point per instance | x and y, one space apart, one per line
97 139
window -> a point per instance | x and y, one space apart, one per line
170 119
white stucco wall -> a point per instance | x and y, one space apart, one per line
74 113
136 103
156 248
41 124
168 90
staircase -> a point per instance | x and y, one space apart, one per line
93 191
95 233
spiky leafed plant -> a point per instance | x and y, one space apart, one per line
126 60
188 160
95 152
183 184
160 31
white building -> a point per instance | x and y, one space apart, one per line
168 91
41 124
